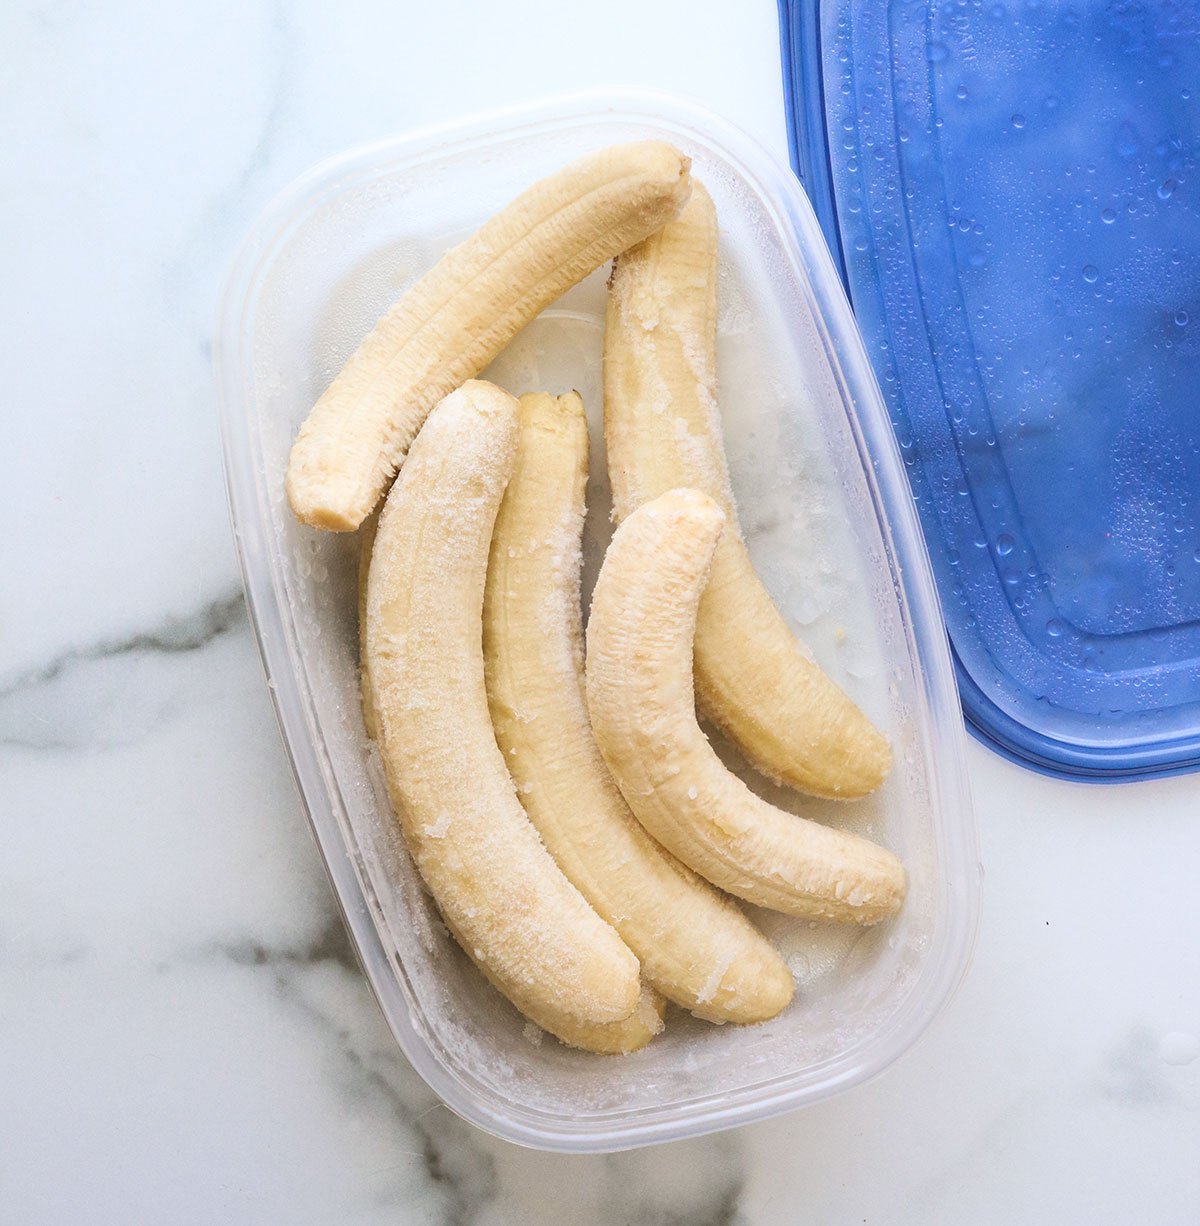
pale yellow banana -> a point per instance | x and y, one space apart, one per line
458 316
694 945
623 1037
754 679
611 1038
640 697
499 890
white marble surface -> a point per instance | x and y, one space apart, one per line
184 1036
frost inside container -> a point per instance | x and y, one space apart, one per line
836 546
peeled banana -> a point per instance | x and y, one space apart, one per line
640 697
694 945
507 902
610 1038
754 679
458 316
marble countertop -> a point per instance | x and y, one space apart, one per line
184 1034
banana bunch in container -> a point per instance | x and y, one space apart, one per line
583 841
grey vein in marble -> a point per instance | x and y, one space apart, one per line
40 709
450 1153
332 944
705 1188
478 1178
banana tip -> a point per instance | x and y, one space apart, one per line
689 504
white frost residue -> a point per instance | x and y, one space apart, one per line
709 988
440 828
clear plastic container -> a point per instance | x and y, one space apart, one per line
830 523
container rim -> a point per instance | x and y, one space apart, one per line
951 944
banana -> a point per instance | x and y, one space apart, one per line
620 1038
499 891
640 696
459 316
694 945
611 1038
754 679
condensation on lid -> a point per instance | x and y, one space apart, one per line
1013 193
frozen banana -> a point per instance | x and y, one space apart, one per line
500 892
694 945
754 679
610 1038
640 697
620 1038
458 316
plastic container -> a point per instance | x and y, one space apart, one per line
829 521
1013 192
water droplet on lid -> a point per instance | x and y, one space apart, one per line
1108 216
1166 189
1127 140
1090 273
1005 544
1181 318
1054 628
1018 121
935 52
961 93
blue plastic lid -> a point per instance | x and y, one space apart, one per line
1013 192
